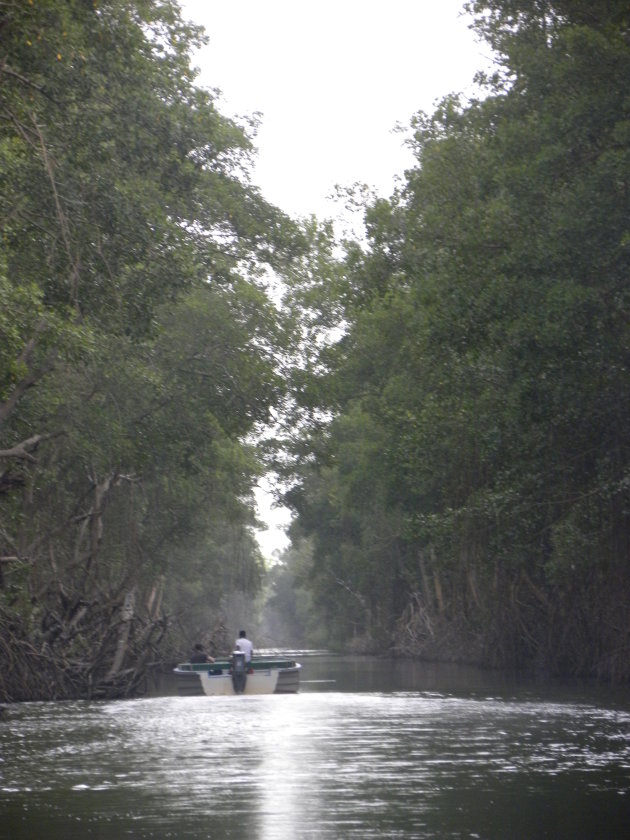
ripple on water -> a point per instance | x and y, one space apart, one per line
321 765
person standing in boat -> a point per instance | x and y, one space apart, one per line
199 655
245 646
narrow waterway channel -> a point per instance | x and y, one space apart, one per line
367 749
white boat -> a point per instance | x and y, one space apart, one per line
264 675
258 682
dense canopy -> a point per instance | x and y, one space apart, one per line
446 401
139 352
467 496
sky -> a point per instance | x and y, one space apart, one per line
331 79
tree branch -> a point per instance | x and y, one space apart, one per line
21 387
23 450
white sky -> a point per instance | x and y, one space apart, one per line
332 79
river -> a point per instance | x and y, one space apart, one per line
367 749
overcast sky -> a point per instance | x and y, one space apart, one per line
332 79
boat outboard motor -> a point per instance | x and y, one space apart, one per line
239 672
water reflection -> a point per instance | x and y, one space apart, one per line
323 764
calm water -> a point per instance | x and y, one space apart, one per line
381 752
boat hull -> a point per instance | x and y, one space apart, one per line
266 677
288 680
260 682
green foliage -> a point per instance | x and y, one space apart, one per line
139 353
473 474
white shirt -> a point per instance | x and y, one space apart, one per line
246 647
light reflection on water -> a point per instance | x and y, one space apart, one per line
321 764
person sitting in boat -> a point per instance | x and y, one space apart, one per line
199 655
245 646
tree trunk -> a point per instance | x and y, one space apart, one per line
126 617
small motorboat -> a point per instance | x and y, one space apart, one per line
263 675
